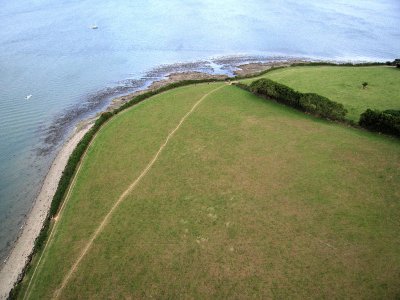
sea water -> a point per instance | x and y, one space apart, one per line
49 50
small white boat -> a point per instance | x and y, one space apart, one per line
28 97
94 27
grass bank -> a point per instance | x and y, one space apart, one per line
249 199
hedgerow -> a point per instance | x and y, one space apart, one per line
387 121
367 64
308 102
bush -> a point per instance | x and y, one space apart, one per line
395 63
275 90
308 102
387 121
323 107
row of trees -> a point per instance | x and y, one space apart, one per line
387 121
395 63
308 102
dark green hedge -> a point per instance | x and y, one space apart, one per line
303 64
387 121
322 106
73 161
338 64
395 63
308 102
243 86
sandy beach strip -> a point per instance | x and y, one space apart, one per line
19 256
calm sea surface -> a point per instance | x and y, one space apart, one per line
48 50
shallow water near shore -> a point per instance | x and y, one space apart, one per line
48 50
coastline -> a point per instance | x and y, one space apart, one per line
19 257
171 78
245 69
13 269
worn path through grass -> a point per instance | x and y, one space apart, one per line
124 195
121 198
249 199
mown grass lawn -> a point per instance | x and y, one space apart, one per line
249 199
344 85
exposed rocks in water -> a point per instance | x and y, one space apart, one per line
160 76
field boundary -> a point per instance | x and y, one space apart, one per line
379 121
109 214
56 218
307 64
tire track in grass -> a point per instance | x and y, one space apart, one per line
122 197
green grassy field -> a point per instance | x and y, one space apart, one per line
249 199
343 85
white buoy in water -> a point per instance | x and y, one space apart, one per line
28 97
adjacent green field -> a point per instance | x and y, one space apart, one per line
249 199
344 85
